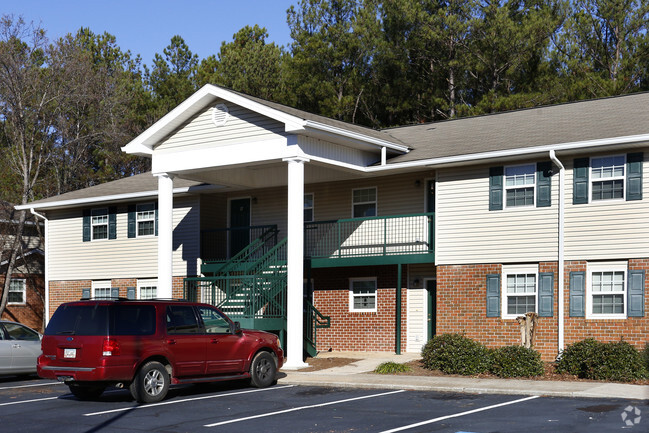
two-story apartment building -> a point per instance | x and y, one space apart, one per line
338 236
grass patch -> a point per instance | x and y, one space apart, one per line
391 368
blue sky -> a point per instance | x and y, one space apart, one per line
146 27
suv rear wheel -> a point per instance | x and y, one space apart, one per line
263 370
151 383
86 392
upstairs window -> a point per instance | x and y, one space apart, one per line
145 217
607 177
17 292
308 208
364 202
520 185
99 224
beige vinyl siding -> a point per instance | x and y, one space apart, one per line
243 125
123 257
467 232
416 332
607 229
336 152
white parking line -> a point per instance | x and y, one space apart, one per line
468 412
164 403
27 386
27 401
302 408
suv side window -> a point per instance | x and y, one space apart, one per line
132 319
181 319
214 321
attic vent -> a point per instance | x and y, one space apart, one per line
220 114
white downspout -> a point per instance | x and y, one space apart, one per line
562 177
46 314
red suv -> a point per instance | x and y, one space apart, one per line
148 345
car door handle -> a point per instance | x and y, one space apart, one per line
214 341
171 341
16 346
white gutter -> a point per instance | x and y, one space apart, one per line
114 197
561 264
46 313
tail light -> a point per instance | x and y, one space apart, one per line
110 347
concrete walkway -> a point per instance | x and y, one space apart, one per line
359 375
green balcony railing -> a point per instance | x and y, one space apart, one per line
370 237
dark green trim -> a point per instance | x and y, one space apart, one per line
86 226
577 294
546 294
580 179
634 176
635 294
132 229
112 222
544 184
397 339
373 261
496 188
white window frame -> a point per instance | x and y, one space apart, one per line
23 290
606 267
149 219
352 295
101 285
312 207
147 284
592 180
508 270
375 201
515 187
98 213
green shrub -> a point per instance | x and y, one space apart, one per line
391 368
590 359
516 361
455 354
645 356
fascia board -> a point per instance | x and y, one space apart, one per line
112 198
476 157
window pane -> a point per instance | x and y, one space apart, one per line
521 283
364 302
148 292
145 228
364 210
102 293
364 195
608 281
521 304
132 319
519 175
520 197
612 166
608 304
364 294
606 190
16 293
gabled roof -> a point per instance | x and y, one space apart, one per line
564 125
295 121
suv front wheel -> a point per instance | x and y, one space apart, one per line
263 370
151 383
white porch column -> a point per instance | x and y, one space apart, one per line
295 265
165 235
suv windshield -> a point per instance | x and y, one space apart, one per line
96 319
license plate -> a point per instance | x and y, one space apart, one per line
69 353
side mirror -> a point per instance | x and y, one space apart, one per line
236 328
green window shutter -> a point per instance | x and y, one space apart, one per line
85 294
130 292
546 294
496 188
580 180
544 184
493 295
86 225
635 294
114 292
577 294
634 176
156 219
131 221
112 222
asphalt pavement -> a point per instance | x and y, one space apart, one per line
359 374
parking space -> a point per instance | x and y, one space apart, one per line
44 406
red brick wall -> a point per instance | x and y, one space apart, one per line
359 331
461 308
67 291
31 313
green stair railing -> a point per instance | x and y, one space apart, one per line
314 320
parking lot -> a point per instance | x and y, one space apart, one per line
35 405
